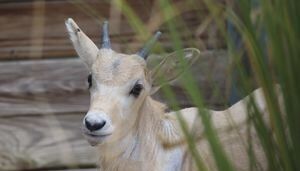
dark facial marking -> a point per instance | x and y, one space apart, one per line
90 80
136 90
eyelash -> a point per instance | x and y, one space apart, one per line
90 80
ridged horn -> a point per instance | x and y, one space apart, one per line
105 36
144 52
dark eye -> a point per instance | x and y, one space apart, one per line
90 80
136 90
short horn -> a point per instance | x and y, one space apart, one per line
105 36
144 52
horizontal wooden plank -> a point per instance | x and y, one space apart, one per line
93 169
35 29
60 86
44 142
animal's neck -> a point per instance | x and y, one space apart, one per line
140 148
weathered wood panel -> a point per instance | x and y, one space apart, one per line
46 141
59 86
35 29
43 86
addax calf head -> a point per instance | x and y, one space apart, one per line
119 83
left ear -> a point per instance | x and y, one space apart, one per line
84 46
171 67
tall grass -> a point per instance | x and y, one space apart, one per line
270 33
274 59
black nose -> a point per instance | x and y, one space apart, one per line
94 126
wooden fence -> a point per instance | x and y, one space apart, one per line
35 29
43 89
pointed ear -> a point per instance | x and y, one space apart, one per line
84 46
170 68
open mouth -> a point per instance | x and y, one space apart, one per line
97 136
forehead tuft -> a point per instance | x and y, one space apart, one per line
116 69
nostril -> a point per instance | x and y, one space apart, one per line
94 126
101 124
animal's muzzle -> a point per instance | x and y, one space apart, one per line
95 122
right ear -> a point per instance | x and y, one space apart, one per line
170 68
84 46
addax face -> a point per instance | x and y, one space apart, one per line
118 86
119 83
